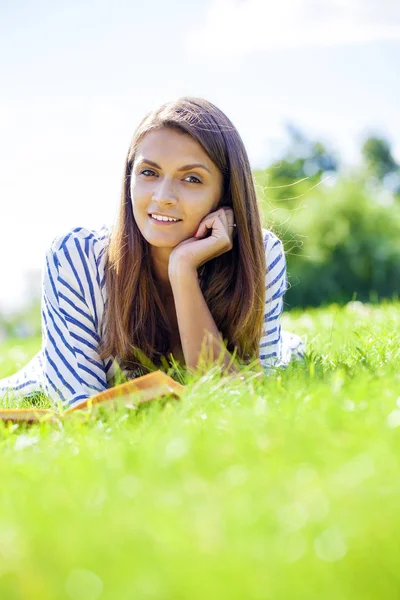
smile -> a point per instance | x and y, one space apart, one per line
163 220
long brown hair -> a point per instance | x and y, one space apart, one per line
233 284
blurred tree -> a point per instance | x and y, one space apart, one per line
377 155
380 163
341 235
301 167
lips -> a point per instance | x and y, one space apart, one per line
158 222
168 216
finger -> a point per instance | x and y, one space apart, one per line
223 216
228 219
212 222
205 222
223 233
230 216
214 245
229 211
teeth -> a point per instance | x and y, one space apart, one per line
160 218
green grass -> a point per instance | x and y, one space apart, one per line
283 488
14 354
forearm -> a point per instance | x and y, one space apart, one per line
199 334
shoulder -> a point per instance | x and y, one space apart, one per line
276 276
90 242
273 246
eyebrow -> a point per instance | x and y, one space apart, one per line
184 168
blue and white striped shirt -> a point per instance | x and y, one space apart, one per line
68 367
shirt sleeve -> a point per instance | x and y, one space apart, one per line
275 288
72 308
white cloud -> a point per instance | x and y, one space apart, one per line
236 27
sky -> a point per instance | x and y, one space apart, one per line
78 77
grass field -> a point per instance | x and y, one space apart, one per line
284 488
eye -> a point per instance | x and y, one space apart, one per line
193 177
151 173
148 170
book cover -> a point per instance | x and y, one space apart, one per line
142 389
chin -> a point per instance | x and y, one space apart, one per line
160 241
160 244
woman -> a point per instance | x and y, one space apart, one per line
187 269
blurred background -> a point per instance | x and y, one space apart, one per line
313 88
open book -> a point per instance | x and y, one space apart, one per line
142 389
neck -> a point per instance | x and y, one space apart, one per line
160 262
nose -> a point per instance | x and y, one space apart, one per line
164 193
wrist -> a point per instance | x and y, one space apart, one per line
179 269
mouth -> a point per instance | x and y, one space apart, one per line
162 222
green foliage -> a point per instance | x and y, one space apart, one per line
340 244
378 158
301 167
285 487
341 233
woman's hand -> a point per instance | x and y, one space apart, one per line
195 251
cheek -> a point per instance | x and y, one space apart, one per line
139 199
206 207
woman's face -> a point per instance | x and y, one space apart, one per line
172 176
